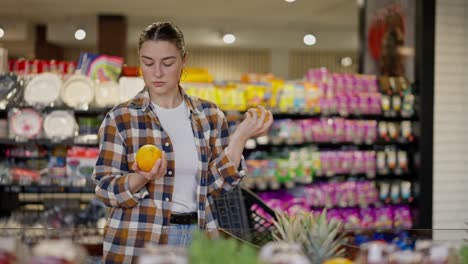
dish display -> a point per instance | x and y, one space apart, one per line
25 123
107 94
78 91
43 89
60 124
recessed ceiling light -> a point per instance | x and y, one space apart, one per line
310 40
2 32
290 1
229 38
80 34
346 61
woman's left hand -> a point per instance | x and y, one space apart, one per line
254 125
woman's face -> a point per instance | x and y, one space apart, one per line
161 66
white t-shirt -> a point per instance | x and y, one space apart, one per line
176 122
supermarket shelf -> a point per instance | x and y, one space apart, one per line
339 178
337 146
277 115
45 142
299 115
90 111
45 189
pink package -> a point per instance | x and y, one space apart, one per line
346 160
375 104
402 217
384 218
339 130
296 206
351 218
307 129
357 162
330 194
370 164
334 214
367 216
370 131
373 86
318 134
343 102
336 163
359 131
354 104
326 160
349 131
315 196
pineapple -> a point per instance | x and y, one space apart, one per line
320 239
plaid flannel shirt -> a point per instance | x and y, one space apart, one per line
137 218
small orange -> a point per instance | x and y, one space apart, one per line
338 261
259 114
147 156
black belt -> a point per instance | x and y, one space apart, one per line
184 219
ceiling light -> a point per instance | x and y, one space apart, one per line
310 39
290 1
346 61
229 38
2 32
80 34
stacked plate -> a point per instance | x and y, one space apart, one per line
129 87
43 90
107 94
25 123
59 125
78 92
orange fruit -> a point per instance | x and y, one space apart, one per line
338 261
147 156
259 114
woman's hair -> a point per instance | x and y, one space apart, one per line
166 31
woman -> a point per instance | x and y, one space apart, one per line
200 159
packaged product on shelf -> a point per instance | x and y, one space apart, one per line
351 218
57 170
100 67
386 105
43 90
78 91
24 124
395 194
407 109
312 98
129 87
396 105
107 94
370 162
402 167
406 192
382 167
60 125
402 217
384 218
367 216
80 165
255 95
384 191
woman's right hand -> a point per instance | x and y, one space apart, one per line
159 169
